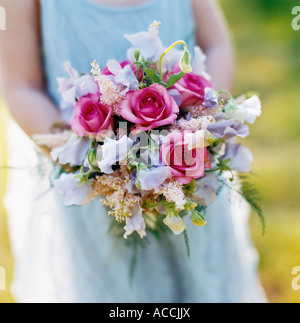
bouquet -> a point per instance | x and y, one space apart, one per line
150 138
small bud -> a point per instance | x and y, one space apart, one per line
185 64
137 55
198 219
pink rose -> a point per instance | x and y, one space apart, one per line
91 117
192 89
186 165
149 108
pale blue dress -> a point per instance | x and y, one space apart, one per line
64 254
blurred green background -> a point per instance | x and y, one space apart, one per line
267 62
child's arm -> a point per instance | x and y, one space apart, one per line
213 38
21 68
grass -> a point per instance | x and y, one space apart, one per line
267 56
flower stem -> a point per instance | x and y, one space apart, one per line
167 51
227 93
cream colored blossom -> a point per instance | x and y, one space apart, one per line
173 193
175 223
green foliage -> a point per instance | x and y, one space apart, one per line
252 195
187 244
152 76
174 78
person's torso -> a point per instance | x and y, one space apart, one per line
81 31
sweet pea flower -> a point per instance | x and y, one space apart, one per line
114 151
72 192
124 75
113 67
73 152
149 108
152 178
211 99
91 117
135 223
175 223
73 88
227 129
148 43
247 111
205 192
241 157
199 139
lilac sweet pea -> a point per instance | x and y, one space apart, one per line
227 129
152 178
73 88
72 192
123 76
241 157
205 192
73 152
211 99
148 43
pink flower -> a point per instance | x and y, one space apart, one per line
91 117
149 108
192 89
186 165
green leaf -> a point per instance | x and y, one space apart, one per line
174 78
152 76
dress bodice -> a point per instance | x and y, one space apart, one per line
81 31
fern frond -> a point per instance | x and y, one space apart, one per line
251 195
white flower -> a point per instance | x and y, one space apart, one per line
135 223
247 111
73 152
114 151
199 140
72 192
195 140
